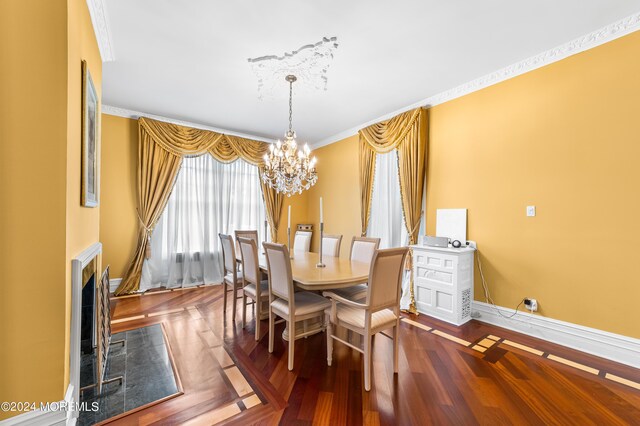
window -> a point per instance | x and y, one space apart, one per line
386 221
208 198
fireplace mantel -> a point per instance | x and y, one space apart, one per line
78 264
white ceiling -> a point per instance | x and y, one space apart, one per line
188 59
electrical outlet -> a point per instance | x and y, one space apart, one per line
531 211
531 304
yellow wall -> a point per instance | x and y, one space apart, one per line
40 82
563 138
118 220
33 134
338 185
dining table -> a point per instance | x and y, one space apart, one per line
336 273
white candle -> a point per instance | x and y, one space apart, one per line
289 219
321 216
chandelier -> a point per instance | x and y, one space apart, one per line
288 169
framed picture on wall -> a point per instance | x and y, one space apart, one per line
90 181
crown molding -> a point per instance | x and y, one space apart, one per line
98 12
588 41
127 113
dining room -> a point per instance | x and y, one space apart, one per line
327 213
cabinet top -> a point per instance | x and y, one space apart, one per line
449 250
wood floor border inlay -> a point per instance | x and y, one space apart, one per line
490 341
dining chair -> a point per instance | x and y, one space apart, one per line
362 250
286 303
379 311
232 277
331 245
302 241
253 234
254 287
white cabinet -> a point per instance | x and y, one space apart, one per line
443 282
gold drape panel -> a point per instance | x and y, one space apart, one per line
406 132
161 148
412 156
157 171
273 202
367 171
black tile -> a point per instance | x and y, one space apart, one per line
116 365
148 376
116 349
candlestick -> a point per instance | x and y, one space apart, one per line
321 215
265 239
289 242
320 264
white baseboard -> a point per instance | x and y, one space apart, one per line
113 284
615 347
38 417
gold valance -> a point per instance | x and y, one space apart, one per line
386 135
187 141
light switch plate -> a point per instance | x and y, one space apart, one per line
531 211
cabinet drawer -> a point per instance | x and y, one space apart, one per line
435 275
435 260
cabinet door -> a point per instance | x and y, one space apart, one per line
435 278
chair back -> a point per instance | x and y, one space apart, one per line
385 278
253 234
302 241
279 266
250 262
228 254
331 245
362 248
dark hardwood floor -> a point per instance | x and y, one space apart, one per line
475 374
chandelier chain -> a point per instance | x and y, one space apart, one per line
290 106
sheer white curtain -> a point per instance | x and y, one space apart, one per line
386 221
209 197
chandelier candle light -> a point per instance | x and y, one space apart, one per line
288 169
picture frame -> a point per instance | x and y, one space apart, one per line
90 180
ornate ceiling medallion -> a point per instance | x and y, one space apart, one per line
309 63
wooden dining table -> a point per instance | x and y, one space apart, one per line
337 273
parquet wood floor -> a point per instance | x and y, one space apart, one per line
448 375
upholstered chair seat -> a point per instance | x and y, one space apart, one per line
305 303
356 317
250 289
355 292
